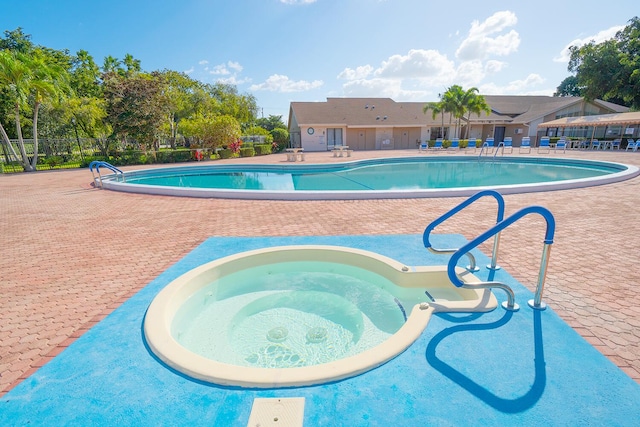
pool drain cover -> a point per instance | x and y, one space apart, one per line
283 412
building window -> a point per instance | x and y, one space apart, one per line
334 136
439 132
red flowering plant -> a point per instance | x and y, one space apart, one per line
235 146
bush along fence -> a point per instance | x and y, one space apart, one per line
69 154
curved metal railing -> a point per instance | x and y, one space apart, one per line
472 261
97 164
510 304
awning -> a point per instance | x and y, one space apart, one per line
600 120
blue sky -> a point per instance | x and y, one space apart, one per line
307 50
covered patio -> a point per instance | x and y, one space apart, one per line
605 126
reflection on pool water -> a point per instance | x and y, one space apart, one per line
376 178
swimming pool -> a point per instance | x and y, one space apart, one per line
299 315
406 177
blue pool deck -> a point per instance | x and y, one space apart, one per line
499 368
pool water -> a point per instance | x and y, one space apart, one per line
292 314
395 176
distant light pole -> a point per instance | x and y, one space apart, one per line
75 128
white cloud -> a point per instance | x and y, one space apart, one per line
418 63
235 66
470 73
203 62
279 83
385 88
220 70
525 86
482 41
492 66
359 73
189 71
402 77
226 69
233 80
599 37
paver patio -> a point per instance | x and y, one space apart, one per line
72 253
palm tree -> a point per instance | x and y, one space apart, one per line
455 103
437 108
29 78
14 76
476 104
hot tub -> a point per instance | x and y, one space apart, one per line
298 315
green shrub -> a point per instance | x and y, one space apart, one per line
53 161
225 153
263 149
173 156
247 152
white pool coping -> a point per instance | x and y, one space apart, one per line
628 172
161 312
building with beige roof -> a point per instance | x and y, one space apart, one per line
382 123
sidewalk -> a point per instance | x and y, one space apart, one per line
71 253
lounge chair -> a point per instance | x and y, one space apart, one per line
455 144
437 146
584 144
633 146
544 144
507 144
595 144
471 145
424 146
525 144
560 145
489 145
615 144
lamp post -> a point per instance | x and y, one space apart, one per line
75 128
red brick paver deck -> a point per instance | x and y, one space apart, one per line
71 254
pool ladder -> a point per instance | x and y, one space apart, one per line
501 224
499 148
496 242
97 164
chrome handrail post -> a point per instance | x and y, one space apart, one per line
537 303
494 254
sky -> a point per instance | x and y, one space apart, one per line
284 51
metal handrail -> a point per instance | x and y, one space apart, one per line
535 303
500 145
96 164
484 145
455 210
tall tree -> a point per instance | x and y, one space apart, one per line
454 103
610 70
475 104
270 123
132 65
31 81
436 108
85 75
568 87
135 106
178 89
16 41
111 65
